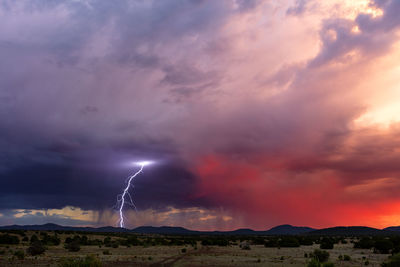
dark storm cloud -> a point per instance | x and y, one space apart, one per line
86 87
62 131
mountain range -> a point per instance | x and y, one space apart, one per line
285 229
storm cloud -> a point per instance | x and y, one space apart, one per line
245 111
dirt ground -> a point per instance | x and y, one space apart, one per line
202 256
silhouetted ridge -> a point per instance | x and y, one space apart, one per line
287 229
350 231
393 228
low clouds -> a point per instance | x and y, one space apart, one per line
242 103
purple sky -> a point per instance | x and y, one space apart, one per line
253 111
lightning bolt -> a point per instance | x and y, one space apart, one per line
125 193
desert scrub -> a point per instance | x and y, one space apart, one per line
36 248
19 254
88 261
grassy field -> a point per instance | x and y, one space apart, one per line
185 255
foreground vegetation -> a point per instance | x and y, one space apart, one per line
60 248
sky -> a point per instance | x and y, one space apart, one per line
255 112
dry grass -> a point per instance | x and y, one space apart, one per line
202 256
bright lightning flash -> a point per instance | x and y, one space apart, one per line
121 198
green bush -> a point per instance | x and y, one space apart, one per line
314 263
73 246
383 246
88 261
106 252
36 248
328 264
346 258
19 254
9 239
289 242
326 243
183 250
321 255
34 239
393 261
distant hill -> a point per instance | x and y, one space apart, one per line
164 230
56 227
169 230
350 231
287 229
393 228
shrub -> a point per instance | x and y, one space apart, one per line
289 242
106 252
365 243
51 240
25 239
73 246
321 255
19 254
346 258
326 243
183 250
34 239
328 264
366 262
88 261
245 246
383 246
9 239
393 261
314 263
36 248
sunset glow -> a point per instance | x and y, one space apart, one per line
251 113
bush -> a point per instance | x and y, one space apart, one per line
326 243
328 264
9 239
393 261
36 248
19 254
346 258
321 255
34 239
314 263
289 242
383 246
366 262
106 252
89 261
245 246
183 250
73 246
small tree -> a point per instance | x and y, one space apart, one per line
321 255
73 246
36 248
19 254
